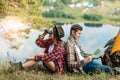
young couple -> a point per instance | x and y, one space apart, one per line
56 52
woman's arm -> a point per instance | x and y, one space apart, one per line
41 42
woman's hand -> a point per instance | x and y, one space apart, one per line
43 35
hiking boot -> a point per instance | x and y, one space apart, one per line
16 65
116 70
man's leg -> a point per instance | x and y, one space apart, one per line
93 66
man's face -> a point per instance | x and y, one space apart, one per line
76 35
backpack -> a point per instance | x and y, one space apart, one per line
111 60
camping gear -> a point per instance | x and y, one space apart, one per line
116 46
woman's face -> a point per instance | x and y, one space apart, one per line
51 36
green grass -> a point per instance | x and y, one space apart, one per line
9 73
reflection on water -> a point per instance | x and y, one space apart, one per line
93 24
91 39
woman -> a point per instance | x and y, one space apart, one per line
53 56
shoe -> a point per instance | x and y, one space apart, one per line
116 70
16 65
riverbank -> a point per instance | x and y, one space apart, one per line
63 20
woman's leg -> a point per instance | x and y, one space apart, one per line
50 65
29 63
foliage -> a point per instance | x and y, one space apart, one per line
59 5
66 1
46 3
27 10
92 17
115 19
56 14
112 0
96 2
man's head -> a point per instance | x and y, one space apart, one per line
76 31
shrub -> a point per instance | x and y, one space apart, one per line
92 17
115 19
56 14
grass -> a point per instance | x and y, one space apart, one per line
9 73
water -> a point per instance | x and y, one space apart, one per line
91 39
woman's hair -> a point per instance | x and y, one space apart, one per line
56 34
75 28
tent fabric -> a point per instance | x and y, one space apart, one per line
116 46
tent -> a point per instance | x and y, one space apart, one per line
116 46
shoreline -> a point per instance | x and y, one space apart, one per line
63 21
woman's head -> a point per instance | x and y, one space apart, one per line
57 33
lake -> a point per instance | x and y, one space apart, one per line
91 39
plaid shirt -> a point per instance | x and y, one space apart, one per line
57 54
73 60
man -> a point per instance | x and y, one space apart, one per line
77 60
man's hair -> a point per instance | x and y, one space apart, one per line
75 28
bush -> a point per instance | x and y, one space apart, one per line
46 3
92 17
66 1
59 5
115 19
56 14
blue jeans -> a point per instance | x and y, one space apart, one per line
92 66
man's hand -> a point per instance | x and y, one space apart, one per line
88 59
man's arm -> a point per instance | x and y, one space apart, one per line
82 52
71 57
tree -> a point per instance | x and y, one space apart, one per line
59 5
66 1
29 11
